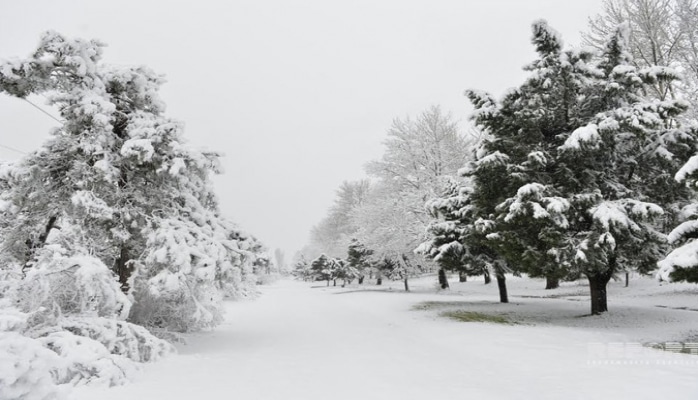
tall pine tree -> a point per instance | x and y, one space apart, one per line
572 178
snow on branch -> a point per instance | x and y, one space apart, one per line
618 214
495 159
688 169
588 135
685 256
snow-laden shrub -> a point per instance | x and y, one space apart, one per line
75 284
27 369
188 266
65 326
188 306
87 361
72 350
117 337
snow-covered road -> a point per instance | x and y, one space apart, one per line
297 342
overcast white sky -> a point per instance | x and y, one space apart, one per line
297 94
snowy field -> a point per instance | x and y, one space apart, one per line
306 341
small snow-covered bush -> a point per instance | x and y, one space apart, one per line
77 284
37 360
117 337
189 308
27 369
87 361
63 324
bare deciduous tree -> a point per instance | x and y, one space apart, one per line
663 34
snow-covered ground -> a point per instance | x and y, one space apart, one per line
306 341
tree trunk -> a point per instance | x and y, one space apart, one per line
597 287
462 277
122 265
488 278
552 282
328 283
335 282
443 280
379 279
407 286
123 268
32 246
502 285
361 280
627 279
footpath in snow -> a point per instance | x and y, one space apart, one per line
301 341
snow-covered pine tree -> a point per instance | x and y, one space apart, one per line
616 171
117 181
682 263
516 169
320 269
446 230
458 237
358 257
301 270
344 271
573 172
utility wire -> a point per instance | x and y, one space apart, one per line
43 111
13 149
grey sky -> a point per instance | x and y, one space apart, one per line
297 94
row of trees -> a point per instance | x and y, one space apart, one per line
384 216
359 264
575 176
109 227
581 171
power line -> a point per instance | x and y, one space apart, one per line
12 149
43 111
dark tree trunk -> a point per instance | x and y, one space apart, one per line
597 287
502 285
552 282
328 282
122 265
361 280
123 268
379 279
488 278
443 280
335 282
32 245
627 279
462 277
